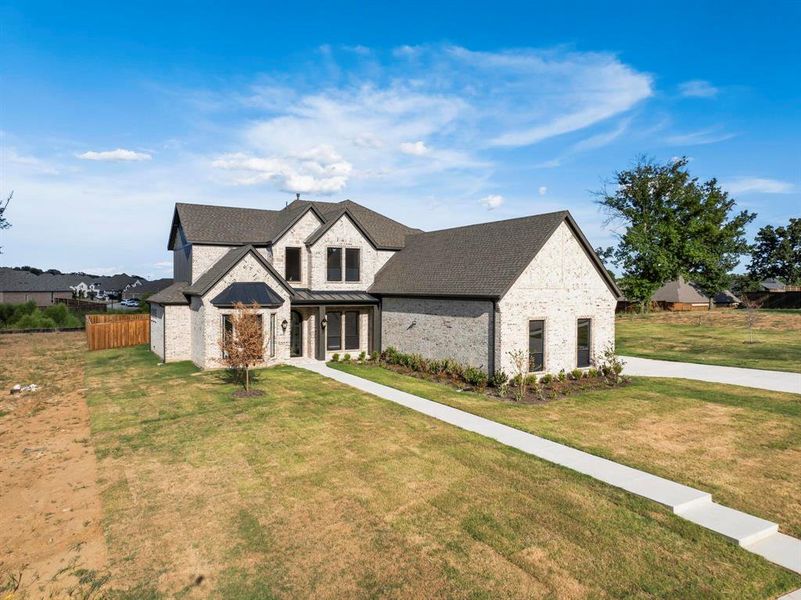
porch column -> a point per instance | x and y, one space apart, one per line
375 329
320 345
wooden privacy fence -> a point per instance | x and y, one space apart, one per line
116 331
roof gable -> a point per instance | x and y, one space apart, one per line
342 214
248 293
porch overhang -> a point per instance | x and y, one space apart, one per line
305 297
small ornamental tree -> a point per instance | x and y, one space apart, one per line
243 345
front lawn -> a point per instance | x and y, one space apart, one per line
718 337
316 489
740 444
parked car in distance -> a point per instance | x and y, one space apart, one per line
130 302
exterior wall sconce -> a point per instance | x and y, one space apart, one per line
324 322
284 324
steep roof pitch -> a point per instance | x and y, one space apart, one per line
248 293
218 270
679 291
12 280
476 261
223 225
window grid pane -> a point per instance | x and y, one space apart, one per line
292 266
583 343
334 263
333 331
351 330
536 346
352 260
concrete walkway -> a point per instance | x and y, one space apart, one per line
752 533
776 381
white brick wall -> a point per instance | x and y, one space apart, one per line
344 234
207 319
205 256
560 286
157 330
177 324
438 328
296 237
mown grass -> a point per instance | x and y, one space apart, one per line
719 337
316 489
740 444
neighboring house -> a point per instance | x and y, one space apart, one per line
146 289
340 278
17 286
774 285
679 295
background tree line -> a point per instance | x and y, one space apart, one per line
670 224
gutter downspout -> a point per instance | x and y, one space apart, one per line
492 339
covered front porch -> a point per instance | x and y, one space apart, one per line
334 322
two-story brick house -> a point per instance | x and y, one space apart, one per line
338 277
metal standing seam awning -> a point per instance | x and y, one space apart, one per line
248 293
305 297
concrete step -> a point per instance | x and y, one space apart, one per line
780 549
738 526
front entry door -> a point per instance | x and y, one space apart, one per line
296 335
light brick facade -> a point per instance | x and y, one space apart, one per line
344 234
296 238
560 286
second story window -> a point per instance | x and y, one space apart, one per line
292 264
352 264
334 264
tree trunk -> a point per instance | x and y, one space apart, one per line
247 379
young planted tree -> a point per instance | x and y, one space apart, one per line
672 225
776 252
243 344
751 307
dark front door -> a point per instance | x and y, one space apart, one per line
296 335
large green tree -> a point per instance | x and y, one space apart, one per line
776 252
672 225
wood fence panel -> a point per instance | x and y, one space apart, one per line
117 331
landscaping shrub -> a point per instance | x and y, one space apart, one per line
346 358
546 379
592 373
562 375
335 357
28 316
362 356
375 356
475 377
609 365
576 374
498 379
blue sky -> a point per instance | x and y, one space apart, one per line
437 114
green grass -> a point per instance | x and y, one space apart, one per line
316 489
740 444
719 337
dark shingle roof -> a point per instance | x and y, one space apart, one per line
248 293
172 294
477 261
12 280
225 225
151 287
218 270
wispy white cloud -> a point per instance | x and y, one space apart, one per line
415 148
320 170
758 185
699 138
492 201
698 88
29 163
118 155
542 190
602 139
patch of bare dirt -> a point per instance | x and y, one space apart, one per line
49 504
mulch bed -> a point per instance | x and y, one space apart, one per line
552 391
